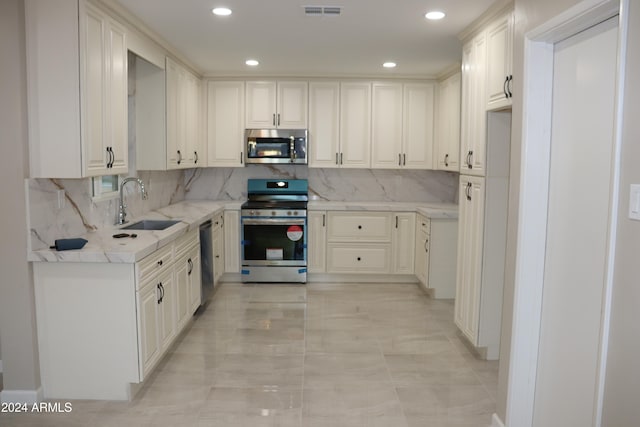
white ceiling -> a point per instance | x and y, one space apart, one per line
286 42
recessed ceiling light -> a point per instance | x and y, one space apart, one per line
221 11
389 65
434 15
251 62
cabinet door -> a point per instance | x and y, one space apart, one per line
194 273
261 105
317 242
292 105
418 126
448 124
117 89
148 312
470 240
218 254
168 320
231 241
182 290
173 107
499 45
324 124
225 123
421 263
386 134
94 83
355 125
466 106
191 122
404 243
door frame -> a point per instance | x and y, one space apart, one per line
534 196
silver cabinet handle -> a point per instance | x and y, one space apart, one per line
509 85
504 87
396 221
337 159
241 158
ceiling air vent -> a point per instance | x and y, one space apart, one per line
322 10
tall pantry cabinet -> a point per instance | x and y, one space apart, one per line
483 192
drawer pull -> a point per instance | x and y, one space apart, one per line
359 227
359 258
160 262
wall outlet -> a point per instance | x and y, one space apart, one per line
634 202
62 197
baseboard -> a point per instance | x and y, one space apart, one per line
22 396
496 421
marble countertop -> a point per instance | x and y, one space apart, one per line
431 210
103 247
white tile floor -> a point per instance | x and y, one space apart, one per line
374 355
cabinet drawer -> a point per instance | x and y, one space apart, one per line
423 224
359 226
154 263
185 242
358 258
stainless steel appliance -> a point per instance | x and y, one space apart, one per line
206 261
276 146
274 231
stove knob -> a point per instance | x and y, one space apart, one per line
295 213
273 213
252 213
289 213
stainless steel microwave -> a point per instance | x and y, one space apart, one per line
286 146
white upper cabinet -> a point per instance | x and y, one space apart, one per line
386 134
77 90
324 124
418 126
499 62
225 123
448 124
473 108
355 125
183 118
271 105
402 122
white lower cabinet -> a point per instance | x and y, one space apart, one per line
435 255
218 247
317 242
92 350
231 241
369 242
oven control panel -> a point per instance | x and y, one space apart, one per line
266 213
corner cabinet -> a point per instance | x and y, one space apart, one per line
184 139
225 123
77 90
448 124
276 105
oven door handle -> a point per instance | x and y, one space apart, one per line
270 221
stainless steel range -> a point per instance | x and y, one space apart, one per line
274 231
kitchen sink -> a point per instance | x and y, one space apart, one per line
151 224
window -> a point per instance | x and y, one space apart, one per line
105 187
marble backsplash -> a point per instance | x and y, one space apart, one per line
328 184
80 213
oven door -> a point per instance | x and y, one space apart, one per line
274 241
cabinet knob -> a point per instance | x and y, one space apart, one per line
359 227
160 262
359 258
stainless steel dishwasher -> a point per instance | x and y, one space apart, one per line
206 256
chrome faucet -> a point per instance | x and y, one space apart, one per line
122 214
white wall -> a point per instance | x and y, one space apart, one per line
17 311
622 381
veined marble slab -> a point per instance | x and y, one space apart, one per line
430 210
102 247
